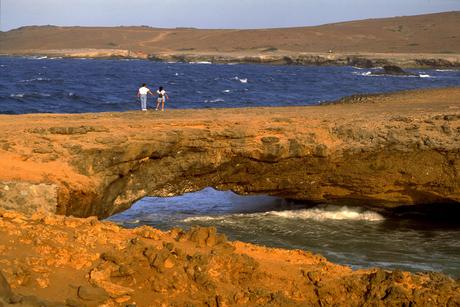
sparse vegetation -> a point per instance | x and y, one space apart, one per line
397 28
270 49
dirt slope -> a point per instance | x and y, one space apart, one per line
433 33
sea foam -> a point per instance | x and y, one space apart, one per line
317 214
200 62
342 213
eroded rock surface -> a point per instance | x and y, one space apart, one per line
382 150
64 261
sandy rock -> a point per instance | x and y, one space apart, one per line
95 294
193 270
5 289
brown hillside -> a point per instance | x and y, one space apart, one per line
433 33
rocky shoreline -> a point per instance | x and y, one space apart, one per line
383 150
51 260
362 60
320 59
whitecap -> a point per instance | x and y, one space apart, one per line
326 213
214 100
37 57
202 219
226 91
424 76
317 214
367 73
20 95
445 70
201 62
242 80
34 79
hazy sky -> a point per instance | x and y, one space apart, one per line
208 13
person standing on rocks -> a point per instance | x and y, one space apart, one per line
162 96
142 94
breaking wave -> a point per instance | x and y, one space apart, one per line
34 80
370 74
214 100
317 214
30 95
200 62
242 80
320 214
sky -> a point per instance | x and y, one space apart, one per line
208 13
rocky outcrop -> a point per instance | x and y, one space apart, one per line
362 60
90 53
317 58
85 262
393 70
384 150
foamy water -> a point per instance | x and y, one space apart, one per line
337 213
347 235
318 214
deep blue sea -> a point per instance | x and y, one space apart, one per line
344 235
36 85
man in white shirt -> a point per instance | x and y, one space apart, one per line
142 94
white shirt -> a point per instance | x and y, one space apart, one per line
161 94
143 90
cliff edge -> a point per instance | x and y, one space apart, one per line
380 150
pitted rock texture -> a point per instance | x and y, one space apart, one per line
64 261
382 150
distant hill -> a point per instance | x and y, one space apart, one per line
432 33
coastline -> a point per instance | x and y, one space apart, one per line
357 59
361 150
364 153
421 41
55 260
388 162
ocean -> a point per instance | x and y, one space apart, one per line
42 85
345 235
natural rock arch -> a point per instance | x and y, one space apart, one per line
380 152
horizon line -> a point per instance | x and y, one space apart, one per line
211 28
